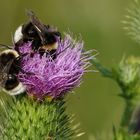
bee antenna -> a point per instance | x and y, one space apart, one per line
6 46
30 13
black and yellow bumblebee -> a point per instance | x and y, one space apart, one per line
9 69
44 37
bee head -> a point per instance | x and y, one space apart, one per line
25 32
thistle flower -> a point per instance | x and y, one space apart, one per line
54 78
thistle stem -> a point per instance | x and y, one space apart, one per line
128 111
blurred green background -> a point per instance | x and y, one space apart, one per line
95 104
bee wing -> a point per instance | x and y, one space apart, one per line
4 70
40 28
36 22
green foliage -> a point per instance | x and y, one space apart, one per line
103 70
123 135
127 76
132 21
28 119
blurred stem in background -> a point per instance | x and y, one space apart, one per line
126 74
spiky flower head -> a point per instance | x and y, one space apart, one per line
54 78
128 77
128 71
132 21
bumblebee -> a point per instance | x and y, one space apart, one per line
9 68
44 37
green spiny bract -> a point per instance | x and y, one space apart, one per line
132 21
28 119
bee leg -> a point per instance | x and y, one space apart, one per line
20 57
33 51
17 65
41 52
32 54
53 54
47 53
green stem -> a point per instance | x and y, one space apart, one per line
103 70
129 108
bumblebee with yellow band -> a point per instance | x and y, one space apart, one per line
44 37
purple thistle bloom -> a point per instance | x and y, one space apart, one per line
54 78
